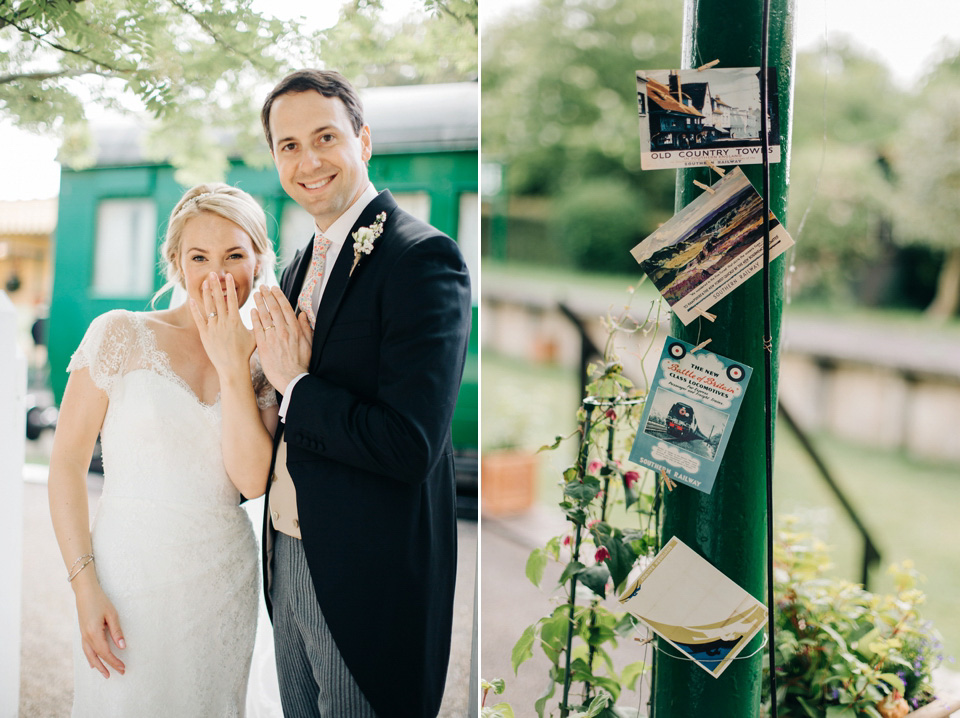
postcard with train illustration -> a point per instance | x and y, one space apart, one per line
691 408
711 247
689 118
690 603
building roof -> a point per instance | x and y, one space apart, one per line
659 94
28 217
696 91
409 118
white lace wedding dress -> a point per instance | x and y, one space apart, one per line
175 552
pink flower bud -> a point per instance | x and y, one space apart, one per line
610 414
602 554
566 540
630 478
592 522
594 466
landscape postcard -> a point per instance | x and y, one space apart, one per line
710 247
689 118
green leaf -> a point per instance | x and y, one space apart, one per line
523 648
551 447
553 633
809 709
622 558
894 681
630 673
541 702
862 644
535 566
625 625
598 703
497 684
500 710
841 712
595 578
577 515
583 491
573 568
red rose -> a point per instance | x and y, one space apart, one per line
630 478
602 554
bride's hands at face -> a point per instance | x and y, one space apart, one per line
99 628
227 341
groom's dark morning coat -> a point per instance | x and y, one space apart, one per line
369 451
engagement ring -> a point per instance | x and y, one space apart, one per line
211 315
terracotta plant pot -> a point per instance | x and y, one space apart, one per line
508 481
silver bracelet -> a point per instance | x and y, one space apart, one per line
71 574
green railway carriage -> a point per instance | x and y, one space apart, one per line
112 216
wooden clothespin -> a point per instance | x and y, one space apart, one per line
704 313
708 65
716 169
704 187
700 346
643 641
666 481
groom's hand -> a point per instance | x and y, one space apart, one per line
284 340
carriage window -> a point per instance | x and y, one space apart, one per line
416 203
468 237
126 248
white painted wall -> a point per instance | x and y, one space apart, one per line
13 388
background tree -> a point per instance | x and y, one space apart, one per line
846 114
560 112
927 164
199 68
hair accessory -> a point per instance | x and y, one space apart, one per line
193 201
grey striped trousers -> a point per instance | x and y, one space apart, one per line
314 680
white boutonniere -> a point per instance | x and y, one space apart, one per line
364 238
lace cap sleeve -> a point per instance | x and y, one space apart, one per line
266 394
105 348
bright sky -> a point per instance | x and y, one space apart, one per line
904 35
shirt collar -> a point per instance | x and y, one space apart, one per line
337 232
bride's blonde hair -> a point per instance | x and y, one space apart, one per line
225 201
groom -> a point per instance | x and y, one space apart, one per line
366 346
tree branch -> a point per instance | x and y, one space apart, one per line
67 50
37 76
214 34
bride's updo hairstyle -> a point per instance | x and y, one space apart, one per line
224 201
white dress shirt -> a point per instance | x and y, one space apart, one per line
337 235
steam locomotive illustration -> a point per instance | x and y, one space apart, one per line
681 423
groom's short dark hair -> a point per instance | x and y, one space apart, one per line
328 83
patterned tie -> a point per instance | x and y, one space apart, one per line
318 263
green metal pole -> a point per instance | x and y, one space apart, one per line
728 526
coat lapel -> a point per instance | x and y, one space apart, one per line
340 277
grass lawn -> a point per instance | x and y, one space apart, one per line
909 506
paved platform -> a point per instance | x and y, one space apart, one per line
49 617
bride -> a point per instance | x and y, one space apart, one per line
166 582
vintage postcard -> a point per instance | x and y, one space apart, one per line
687 601
691 408
691 117
711 247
